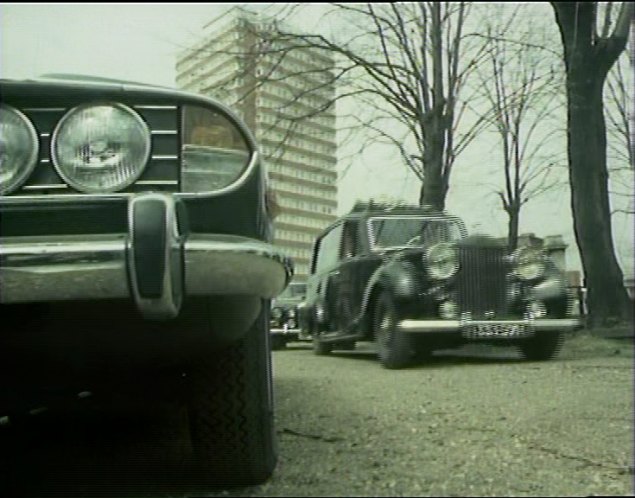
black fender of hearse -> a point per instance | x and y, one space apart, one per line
399 277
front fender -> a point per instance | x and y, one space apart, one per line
397 277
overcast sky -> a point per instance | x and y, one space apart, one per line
139 42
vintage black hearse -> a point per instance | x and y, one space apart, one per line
284 318
411 280
135 252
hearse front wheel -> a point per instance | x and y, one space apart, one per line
394 348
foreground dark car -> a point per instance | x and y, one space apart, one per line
135 253
284 318
412 281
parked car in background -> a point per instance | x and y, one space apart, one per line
135 253
284 317
413 281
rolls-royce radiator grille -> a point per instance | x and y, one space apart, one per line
481 281
161 173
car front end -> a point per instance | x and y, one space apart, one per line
126 191
476 288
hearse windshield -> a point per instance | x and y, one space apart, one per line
410 231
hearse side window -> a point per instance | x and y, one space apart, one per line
329 249
349 242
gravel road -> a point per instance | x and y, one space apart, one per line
474 422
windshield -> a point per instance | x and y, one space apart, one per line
396 232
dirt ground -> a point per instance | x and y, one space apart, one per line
471 422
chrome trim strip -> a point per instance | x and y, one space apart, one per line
58 186
157 107
44 109
164 132
540 324
96 267
164 157
45 135
157 182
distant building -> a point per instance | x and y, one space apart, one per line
268 93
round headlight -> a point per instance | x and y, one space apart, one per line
528 263
291 312
292 324
442 261
18 148
276 313
100 147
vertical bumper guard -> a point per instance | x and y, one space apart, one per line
155 256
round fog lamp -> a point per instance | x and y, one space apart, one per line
537 309
276 313
100 147
18 149
448 310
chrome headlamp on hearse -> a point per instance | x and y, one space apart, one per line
441 261
162 189
528 263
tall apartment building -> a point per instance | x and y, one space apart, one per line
271 94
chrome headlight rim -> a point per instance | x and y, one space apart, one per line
523 259
147 146
32 161
276 313
432 267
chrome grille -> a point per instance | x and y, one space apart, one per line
481 281
161 174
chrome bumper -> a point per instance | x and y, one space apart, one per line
525 327
103 266
284 331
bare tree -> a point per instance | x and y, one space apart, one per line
589 54
520 84
401 67
621 144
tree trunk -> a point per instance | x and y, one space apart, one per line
432 193
588 175
512 228
434 188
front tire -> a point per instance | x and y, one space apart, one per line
230 412
541 347
278 342
394 348
321 348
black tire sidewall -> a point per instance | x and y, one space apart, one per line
230 411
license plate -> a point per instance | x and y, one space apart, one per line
496 330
